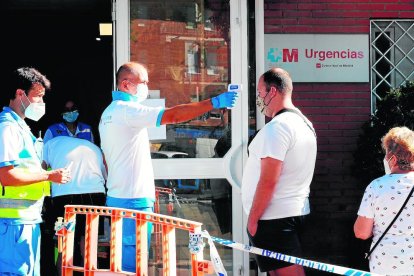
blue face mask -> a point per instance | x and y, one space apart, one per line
70 117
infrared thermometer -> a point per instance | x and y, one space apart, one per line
234 87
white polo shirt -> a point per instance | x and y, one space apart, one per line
286 138
88 172
125 143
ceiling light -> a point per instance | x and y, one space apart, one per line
105 29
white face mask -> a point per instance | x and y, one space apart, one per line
142 92
387 168
34 111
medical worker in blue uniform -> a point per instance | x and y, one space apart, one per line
23 181
70 125
125 143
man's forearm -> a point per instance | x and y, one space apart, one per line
19 177
262 198
269 177
185 112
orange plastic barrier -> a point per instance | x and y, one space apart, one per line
168 225
167 191
157 209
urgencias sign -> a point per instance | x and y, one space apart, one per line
319 57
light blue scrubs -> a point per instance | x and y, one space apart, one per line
20 237
128 228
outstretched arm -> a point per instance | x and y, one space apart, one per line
186 112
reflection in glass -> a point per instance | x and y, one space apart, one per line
203 200
252 71
186 47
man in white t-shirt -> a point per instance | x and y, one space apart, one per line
125 143
278 174
86 187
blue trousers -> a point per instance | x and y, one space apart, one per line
19 249
128 230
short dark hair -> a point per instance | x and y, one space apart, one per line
127 69
23 78
281 81
74 107
121 69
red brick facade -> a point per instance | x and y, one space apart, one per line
337 110
161 45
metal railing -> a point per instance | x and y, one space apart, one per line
391 56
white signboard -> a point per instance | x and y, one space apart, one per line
156 133
319 58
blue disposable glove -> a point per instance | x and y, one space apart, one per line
227 99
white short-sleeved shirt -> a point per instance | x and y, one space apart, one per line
88 171
382 200
289 139
125 143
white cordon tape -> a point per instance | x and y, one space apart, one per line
214 255
291 259
196 245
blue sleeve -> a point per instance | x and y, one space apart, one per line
13 163
48 136
159 118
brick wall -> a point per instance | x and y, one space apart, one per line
337 111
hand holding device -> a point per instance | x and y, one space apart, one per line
227 99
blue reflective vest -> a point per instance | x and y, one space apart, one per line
84 131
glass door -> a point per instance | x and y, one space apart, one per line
193 49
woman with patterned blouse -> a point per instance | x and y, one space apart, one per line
382 200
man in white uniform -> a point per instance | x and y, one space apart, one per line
278 173
125 143
86 187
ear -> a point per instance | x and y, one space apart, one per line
19 92
393 161
124 84
273 91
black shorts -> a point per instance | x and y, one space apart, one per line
58 209
277 235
